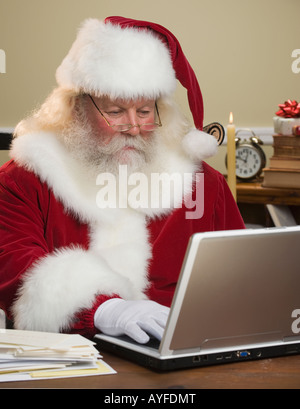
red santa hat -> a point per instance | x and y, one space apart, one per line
183 71
126 58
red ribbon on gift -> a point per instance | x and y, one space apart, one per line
290 109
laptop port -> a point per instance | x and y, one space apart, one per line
292 349
243 354
196 359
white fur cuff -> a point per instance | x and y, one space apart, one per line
61 284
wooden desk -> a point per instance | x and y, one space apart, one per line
268 206
257 194
277 373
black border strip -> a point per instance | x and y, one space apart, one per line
5 140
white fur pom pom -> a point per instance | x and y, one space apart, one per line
199 145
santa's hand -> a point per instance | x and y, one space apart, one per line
133 318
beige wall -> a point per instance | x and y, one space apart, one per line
240 50
3 157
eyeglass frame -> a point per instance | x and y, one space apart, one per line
130 126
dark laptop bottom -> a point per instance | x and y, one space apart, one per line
198 360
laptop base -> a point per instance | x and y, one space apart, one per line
200 360
237 299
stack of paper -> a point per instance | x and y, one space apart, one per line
28 355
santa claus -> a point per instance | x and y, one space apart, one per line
106 184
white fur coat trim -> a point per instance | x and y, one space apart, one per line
59 285
62 283
46 156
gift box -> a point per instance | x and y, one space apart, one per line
296 130
284 126
287 118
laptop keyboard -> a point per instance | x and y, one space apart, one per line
153 342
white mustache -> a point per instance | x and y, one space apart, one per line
122 141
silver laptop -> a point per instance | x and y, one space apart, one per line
237 298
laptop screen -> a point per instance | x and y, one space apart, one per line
242 288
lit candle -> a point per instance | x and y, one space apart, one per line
231 165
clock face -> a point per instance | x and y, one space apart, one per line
248 162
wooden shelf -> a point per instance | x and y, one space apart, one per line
255 193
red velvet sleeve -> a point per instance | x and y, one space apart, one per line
29 231
83 322
227 215
21 234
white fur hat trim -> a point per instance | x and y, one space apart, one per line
106 59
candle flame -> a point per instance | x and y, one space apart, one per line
231 118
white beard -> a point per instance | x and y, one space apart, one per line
96 156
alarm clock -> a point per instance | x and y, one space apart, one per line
250 157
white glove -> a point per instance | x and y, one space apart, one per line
133 318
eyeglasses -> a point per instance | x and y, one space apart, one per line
126 127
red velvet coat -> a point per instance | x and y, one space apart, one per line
53 275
